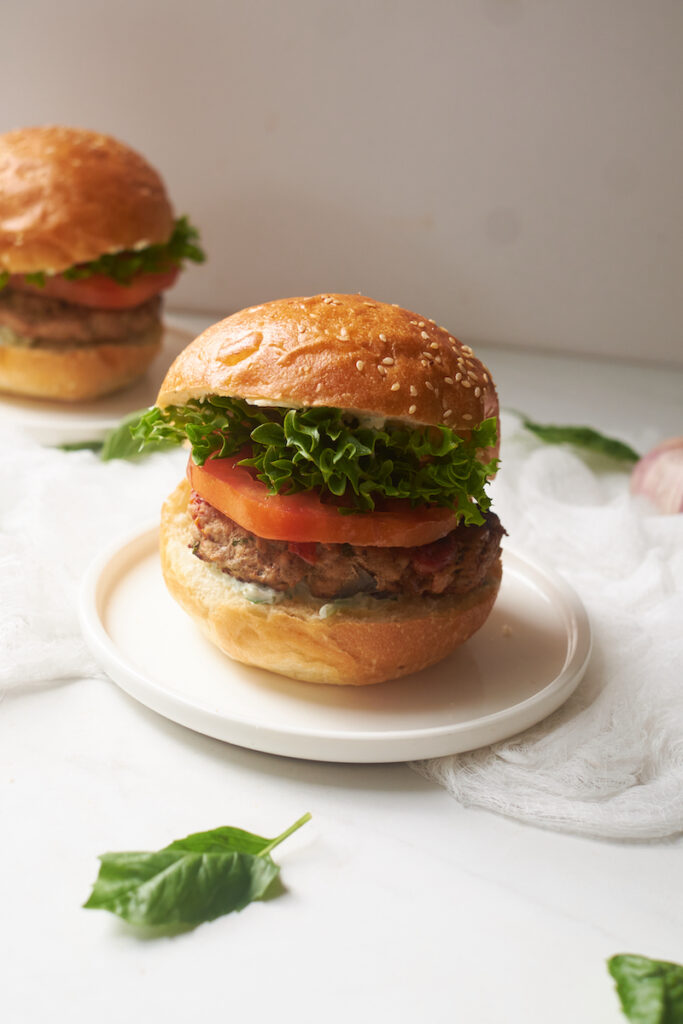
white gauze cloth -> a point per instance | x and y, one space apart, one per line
58 510
609 762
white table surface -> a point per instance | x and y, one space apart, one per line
400 905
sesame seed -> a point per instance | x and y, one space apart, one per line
421 323
467 350
449 380
466 384
423 334
360 364
428 384
413 389
423 362
438 360
432 321
477 392
466 416
448 412
414 323
394 304
382 337
458 376
412 409
452 340
318 387
343 334
434 344
395 386
388 361
486 378
382 370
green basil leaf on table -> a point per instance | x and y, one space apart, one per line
650 991
81 446
581 437
191 880
121 443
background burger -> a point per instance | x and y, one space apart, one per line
333 526
88 242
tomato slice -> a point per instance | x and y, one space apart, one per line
99 291
304 518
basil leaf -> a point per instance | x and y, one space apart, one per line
582 437
122 442
650 991
191 880
81 446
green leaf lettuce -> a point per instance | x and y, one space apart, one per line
123 266
332 452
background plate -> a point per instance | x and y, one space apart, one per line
520 667
56 423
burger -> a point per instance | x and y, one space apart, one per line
88 242
333 525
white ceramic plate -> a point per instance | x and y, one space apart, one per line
56 423
520 667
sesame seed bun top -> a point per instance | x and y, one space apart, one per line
345 351
68 196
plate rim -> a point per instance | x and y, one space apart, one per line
144 539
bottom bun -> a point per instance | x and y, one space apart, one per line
78 372
368 641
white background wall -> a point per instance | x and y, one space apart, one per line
512 168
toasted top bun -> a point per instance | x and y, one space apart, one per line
345 351
68 196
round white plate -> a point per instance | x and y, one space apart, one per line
54 423
520 667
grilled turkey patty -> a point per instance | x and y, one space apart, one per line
51 322
453 565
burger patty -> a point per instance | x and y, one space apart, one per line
454 565
51 323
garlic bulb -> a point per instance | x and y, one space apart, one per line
659 475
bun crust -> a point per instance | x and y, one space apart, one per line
346 351
68 196
353 648
78 373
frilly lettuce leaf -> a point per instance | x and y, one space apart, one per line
332 452
122 267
